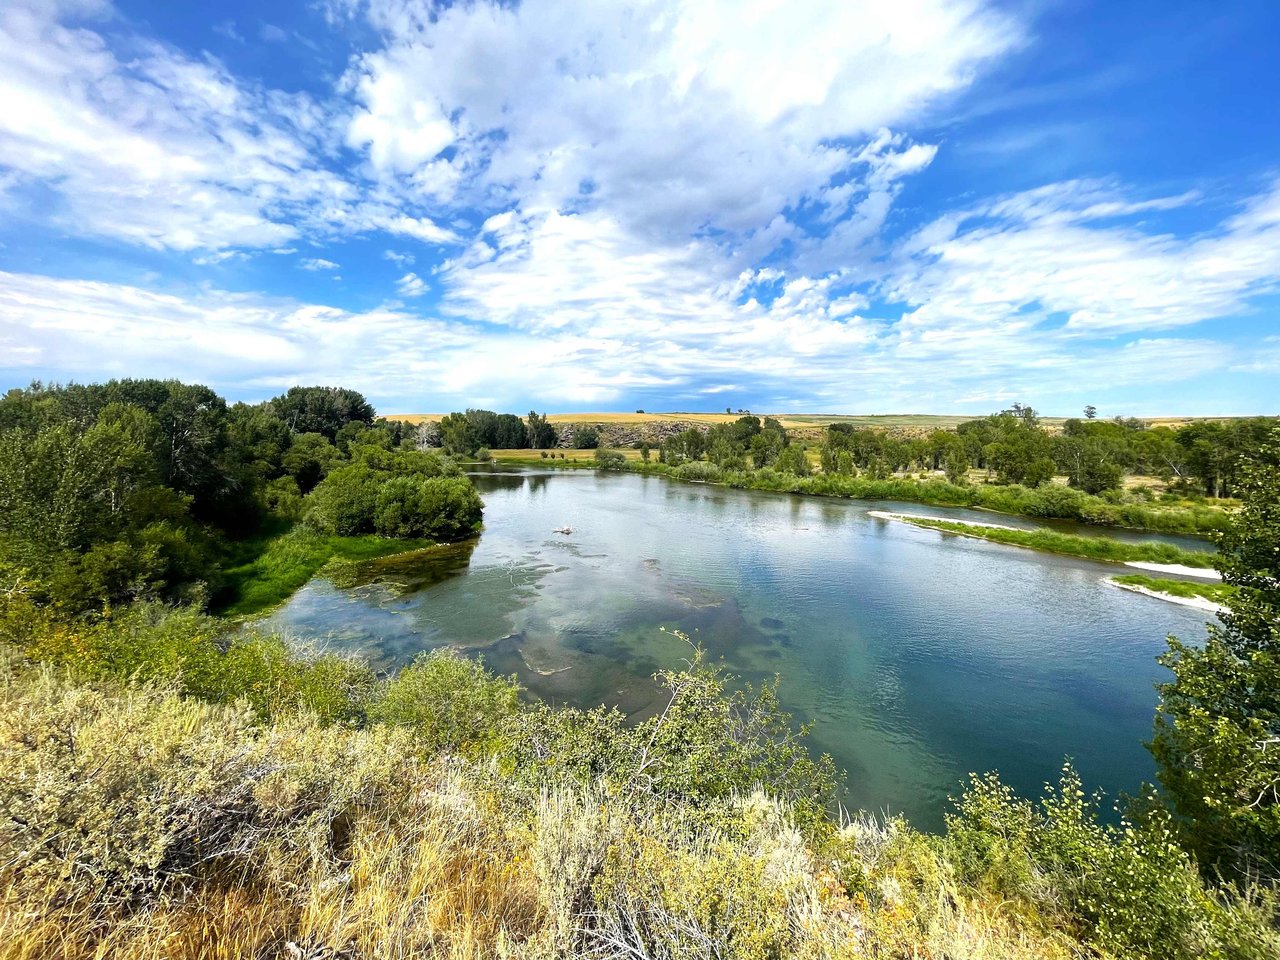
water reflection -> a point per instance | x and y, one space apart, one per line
918 657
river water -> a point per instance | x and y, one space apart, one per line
919 656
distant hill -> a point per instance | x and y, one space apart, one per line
799 421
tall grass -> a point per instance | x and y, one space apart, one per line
1070 545
1218 593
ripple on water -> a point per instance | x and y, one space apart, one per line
917 658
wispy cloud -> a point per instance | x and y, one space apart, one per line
604 200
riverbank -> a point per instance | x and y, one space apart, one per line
1048 502
1210 597
1065 544
268 570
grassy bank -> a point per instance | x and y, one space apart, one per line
1218 593
175 791
1069 545
267 570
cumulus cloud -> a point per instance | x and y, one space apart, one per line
119 136
675 118
606 199
411 285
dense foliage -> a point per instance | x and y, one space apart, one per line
464 434
1014 447
1217 737
147 489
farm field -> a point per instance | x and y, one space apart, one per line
800 421
792 421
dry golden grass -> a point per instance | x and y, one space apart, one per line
791 421
800 421
535 456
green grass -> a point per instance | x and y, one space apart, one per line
1215 592
1071 545
268 569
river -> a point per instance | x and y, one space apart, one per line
918 656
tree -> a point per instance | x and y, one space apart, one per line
455 438
1217 734
1090 412
956 463
586 438
321 409
610 459
792 460
510 433
309 459
542 435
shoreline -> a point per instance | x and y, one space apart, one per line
1093 549
909 517
906 490
1199 573
1198 603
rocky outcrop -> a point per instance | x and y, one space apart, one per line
627 434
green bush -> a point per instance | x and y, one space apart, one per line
452 703
1130 888
699 470
344 502
610 459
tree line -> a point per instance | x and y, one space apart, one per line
141 488
1095 455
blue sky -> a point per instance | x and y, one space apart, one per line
871 207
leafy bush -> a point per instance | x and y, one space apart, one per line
702 470
1130 889
415 503
344 502
610 459
451 703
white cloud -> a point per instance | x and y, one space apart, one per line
155 148
671 196
138 142
411 285
672 118
1051 252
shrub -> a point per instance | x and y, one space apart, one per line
610 459
699 470
344 502
450 702
1129 889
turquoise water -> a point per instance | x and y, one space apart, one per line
919 656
